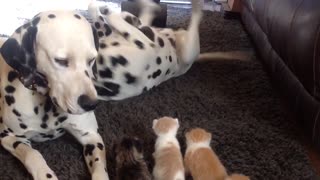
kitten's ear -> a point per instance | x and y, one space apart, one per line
209 135
154 123
177 121
187 135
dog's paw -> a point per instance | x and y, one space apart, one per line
104 10
150 4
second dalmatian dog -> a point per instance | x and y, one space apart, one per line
135 57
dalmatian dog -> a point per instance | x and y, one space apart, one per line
46 90
134 57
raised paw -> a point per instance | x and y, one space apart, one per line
104 10
150 5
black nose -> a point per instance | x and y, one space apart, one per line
86 103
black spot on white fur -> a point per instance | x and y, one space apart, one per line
10 89
139 44
126 35
9 100
88 149
147 31
119 60
102 45
16 112
111 89
129 19
44 126
144 89
161 42
115 44
130 78
172 42
147 67
100 146
51 16
87 74
158 60
97 25
106 73
49 176
100 34
77 16
45 118
23 126
62 119
35 21
156 74
16 144
108 30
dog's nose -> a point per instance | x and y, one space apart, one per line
86 103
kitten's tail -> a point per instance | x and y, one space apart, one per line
237 177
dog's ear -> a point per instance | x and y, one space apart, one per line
154 123
18 52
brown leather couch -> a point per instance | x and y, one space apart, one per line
287 36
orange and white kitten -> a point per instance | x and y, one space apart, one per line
167 155
201 161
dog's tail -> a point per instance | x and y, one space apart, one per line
225 55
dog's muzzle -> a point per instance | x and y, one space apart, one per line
86 103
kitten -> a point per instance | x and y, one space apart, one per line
167 155
130 163
201 161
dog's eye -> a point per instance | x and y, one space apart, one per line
62 62
91 61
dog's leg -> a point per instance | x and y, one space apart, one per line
31 158
116 21
148 10
191 47
93 147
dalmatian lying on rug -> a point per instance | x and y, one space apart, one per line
134 57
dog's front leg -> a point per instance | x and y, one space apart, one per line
30 157
93 149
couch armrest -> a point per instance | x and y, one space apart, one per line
293 30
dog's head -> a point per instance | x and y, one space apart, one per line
54 54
